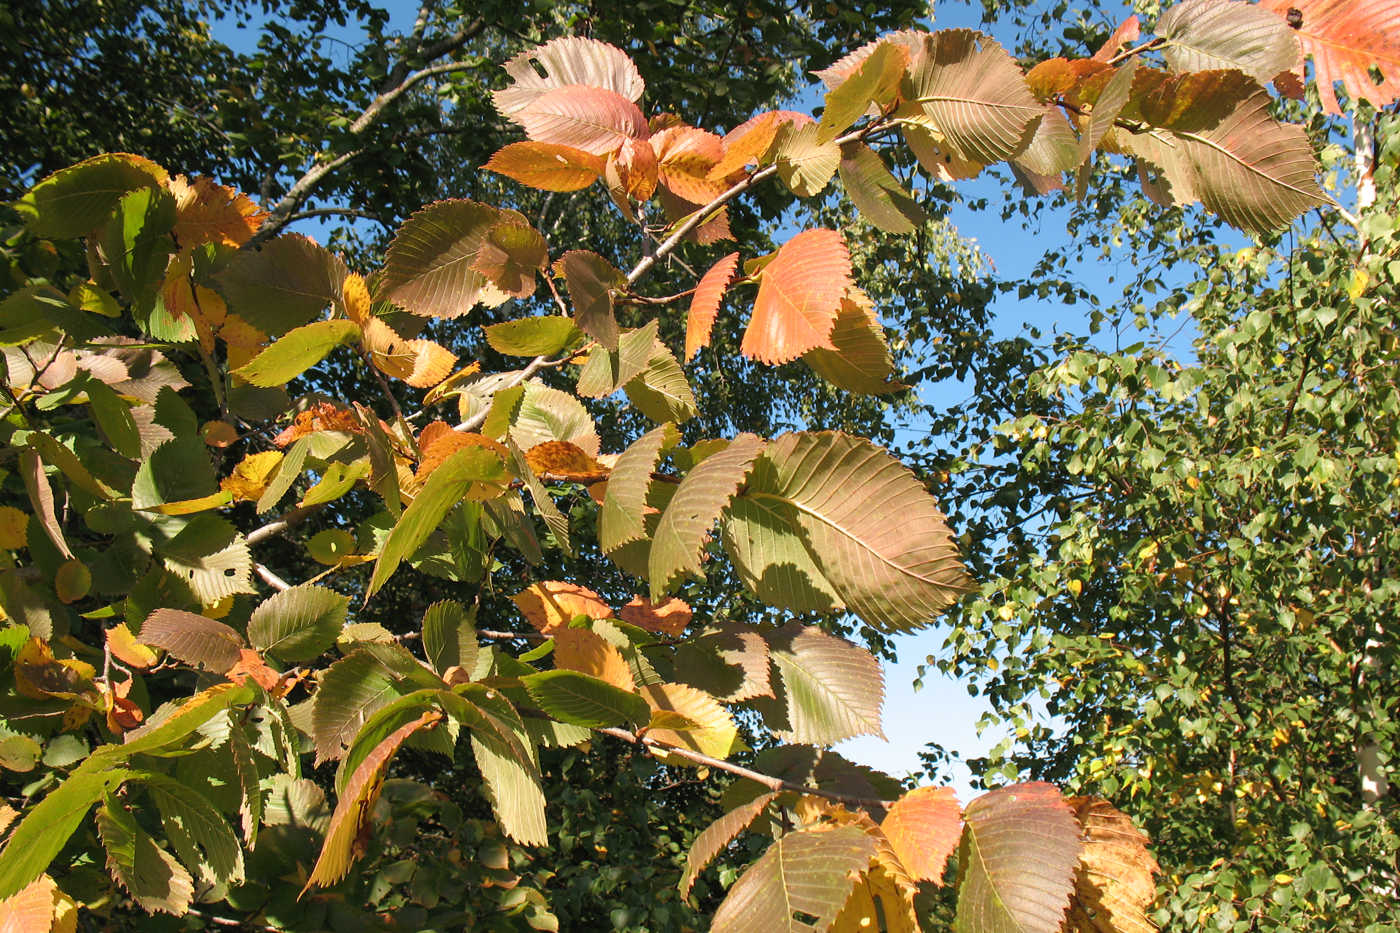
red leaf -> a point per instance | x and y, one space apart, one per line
1126 34
704 304
799 296
547 166
586 118
749 141
924 827
1345 39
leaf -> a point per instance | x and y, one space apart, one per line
212 213
582 700
661 391
285 283
551 415
751 140
591 279
606 371
298 624
41 498
351 690
702 495
32 909
622 517
912 40
533 336
1113 886
197 831
113 417
562 62
880 900
1207 34
832 689
149 873
804 162
704 304
137 244
799 295
1225 149
449 636
685 156
547 166
593 119
297 351
556 521
867 523
217 574
348 834
878 195
511 781
335 481
420 363
714 838
45 829
876 80
446 487
74 201
193 639
250 478
1346 40
631 173
287 472
861 361
561 460
731 664
805 874
550 605
175 724
769 554
923 828
669 617
577 649
967 88
511 255
1016 862
713 731
429 268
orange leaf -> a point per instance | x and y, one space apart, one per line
632 169
670 616
799 296
251 666
563 460
593 119
1126 34
685 155
547 166
420 363
1346 38
551 605
924 827
31 910
219 434
438 441
577 649
123 715
206 212
704 304
126 649
323 416
749 141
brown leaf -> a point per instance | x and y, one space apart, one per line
799 295
1126 34
438 441
251 666
1114 885
669 616
511 254
323 416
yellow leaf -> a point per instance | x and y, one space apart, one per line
126 649
715 735
354 294
191 506
249 479
551 605
14 528
577 649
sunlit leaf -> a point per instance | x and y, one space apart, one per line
1345 41
429 268
593 119
704 304
532 336
74 201
1114 886
800 883
924 827
283 284
805 163
685 156
151 875
875 80
713 731
861 360
1206 34
591 280
832 690
551 605
563 62
297 351
583 700
298 624
799 295
547 166
588 653
193 639
714 838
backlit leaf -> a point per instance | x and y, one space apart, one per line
151 875
1206 34
713 732
591 279
32 909
1345 40
449 636
750 141
1114 886
924 827
875 80
532 336
596 120
1017 860
297 351
861 360
512 253
685 156
562 460
704 304
551 605
193 639
804 162
565 61
429 268
670 616
799 295
799 885
832 689
283 284
547 166
74 201
582 700
714 838
581 650
882 200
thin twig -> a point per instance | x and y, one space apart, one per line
537 364
719 764
274 528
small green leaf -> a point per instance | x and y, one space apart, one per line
581 700
297 351
298 624
533 336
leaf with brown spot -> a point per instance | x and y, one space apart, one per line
563 460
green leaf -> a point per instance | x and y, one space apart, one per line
880 197
445 488
808 873
875 81
965 86
76 200
163 730
804 162
151 875
285 283
606 371
832 689
714 838
429 267
702 495
622 518
867 523
137 243
250 809
336 480
661 391
383 722
45 829
297 351
766 547
351 690
533 336
113 417
547 414
197 831
556 521
581 700
287 472
449 636
298 624
193 639
506 764
1208 34
1017 860
353 811
591 280
177 470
